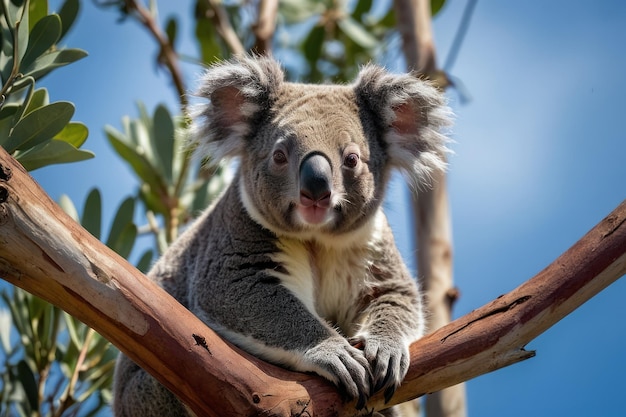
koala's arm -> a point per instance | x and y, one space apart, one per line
391 318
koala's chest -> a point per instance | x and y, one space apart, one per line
328 282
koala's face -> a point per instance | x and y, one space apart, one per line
311 167
315 158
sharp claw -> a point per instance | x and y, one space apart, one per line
389 393
360 404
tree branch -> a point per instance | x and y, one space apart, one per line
167 55
431 212
265 26
46 253
218 15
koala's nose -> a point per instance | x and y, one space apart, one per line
315 180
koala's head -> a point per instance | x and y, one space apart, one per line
315 159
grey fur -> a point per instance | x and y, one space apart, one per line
296 262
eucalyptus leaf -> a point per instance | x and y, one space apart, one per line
92 213
138 161
69 11
436 6
208 40
6 326
362 7
39 125
313 44
39 99
124 241
22 35
68 207
53 59
120 232
145 262
6 121
52 152
359 35
164 146
74 133
36 11
44 35
27 378
171 29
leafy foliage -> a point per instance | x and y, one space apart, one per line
153 146
35 131
57 362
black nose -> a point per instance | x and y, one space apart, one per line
315 180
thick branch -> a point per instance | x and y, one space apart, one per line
430 208
44 252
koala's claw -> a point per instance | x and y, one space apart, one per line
389 361
344 365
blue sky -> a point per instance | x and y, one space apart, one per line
539 159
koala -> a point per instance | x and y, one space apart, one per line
296 263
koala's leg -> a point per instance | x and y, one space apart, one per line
390 322
137 394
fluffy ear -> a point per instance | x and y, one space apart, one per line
240 92
409 114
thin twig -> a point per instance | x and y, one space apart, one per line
167 54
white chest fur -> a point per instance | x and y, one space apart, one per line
329 277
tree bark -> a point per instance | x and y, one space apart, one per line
431 212
46 253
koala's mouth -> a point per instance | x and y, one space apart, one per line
314 211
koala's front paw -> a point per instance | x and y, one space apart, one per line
389 360
336 360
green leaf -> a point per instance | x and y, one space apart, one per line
39 125
68 14
124 241
92 213
22 35
362 7
313 44
435 6
138 161
6 325
210 49
164 140
68 207
39 99
171 29
353 30
27 378
123 220
144 263
44 35
37 9
6 121
53 152
72 325
74 133
52 60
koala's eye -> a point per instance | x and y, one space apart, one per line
279 157
351 160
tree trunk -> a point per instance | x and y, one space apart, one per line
45 252
430 208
